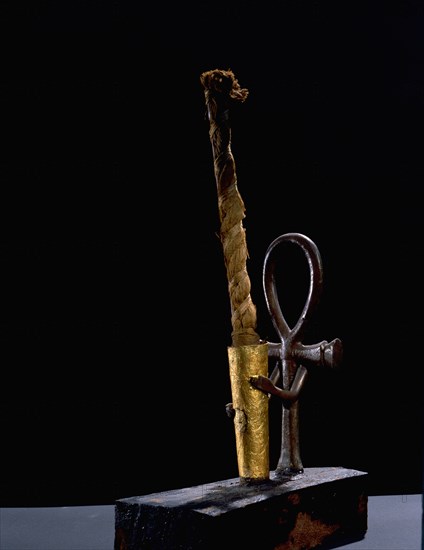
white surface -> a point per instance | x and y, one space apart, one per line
394 523
62 528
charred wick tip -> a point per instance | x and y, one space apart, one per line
223 82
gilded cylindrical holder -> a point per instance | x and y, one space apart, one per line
250 406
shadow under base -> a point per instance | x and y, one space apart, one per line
321 508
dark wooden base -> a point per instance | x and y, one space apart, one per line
321 508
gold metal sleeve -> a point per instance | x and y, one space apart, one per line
251 410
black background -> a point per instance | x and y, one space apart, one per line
115 316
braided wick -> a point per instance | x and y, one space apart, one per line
221 88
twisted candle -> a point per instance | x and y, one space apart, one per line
221 88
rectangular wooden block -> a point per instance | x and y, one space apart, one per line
321 508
